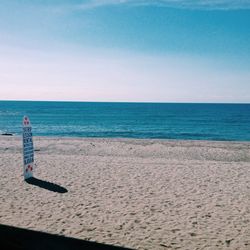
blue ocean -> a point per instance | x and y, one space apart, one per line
230 122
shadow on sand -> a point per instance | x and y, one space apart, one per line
20 239
46 185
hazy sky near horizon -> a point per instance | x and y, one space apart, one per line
141 50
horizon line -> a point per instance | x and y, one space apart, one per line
142 102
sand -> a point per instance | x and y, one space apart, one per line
142 194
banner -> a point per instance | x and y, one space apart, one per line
28 150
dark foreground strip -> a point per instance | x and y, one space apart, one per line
20 239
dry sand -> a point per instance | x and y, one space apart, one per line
143 194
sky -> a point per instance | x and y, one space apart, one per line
125 51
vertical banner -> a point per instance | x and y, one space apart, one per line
28 150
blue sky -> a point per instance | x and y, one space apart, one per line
141 50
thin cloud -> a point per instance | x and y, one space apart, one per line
184 4
208 5
202 4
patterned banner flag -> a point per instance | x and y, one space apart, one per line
28 151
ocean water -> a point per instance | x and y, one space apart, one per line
129 120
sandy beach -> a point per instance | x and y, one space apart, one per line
142 194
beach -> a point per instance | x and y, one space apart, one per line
141 194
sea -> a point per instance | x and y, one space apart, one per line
180 121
